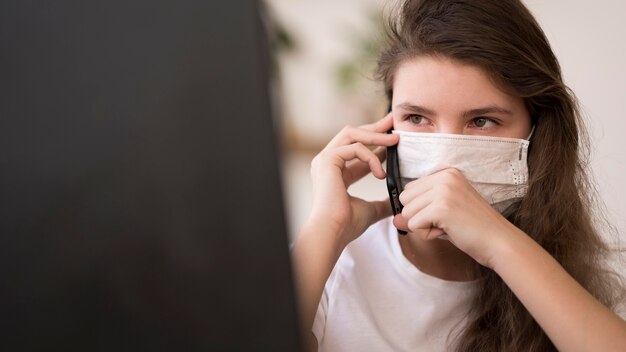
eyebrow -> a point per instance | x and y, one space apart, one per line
490 109
415 108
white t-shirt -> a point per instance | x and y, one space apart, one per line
376 300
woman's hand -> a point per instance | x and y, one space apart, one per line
337 218
445 202
345 160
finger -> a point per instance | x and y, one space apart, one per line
359 151
401 223
424 220
414 205
433 233
356 170
381 153
428 234
421 183
447 175
350 135
416 188
382 125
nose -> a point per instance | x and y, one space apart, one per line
449 126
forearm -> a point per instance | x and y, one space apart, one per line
314 255
571 317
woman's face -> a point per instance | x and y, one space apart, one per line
433 94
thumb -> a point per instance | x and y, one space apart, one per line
401 223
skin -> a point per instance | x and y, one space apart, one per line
460 99
443 202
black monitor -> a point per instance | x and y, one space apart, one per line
140 200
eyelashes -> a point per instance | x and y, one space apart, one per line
416 119
480 122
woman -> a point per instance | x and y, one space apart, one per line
472 274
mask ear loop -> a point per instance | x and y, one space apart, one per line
531 132
527 139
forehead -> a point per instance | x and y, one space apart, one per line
441 81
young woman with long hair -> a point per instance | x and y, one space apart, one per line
501 252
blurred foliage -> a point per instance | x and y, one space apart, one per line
351 73
279 39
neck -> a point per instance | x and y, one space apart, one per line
438 258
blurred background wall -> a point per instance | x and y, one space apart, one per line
326 52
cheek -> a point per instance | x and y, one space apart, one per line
522 128
398 123
403 125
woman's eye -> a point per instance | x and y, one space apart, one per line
482 122
417 119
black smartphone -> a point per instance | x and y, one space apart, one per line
394 182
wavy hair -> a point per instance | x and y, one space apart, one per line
502 38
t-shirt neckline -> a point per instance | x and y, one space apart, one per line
418 275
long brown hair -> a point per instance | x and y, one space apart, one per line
502 38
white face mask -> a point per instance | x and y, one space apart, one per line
495 166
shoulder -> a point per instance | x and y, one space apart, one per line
359 264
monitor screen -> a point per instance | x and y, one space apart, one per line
140 199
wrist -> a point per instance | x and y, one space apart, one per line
508 244
321 229
505 239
